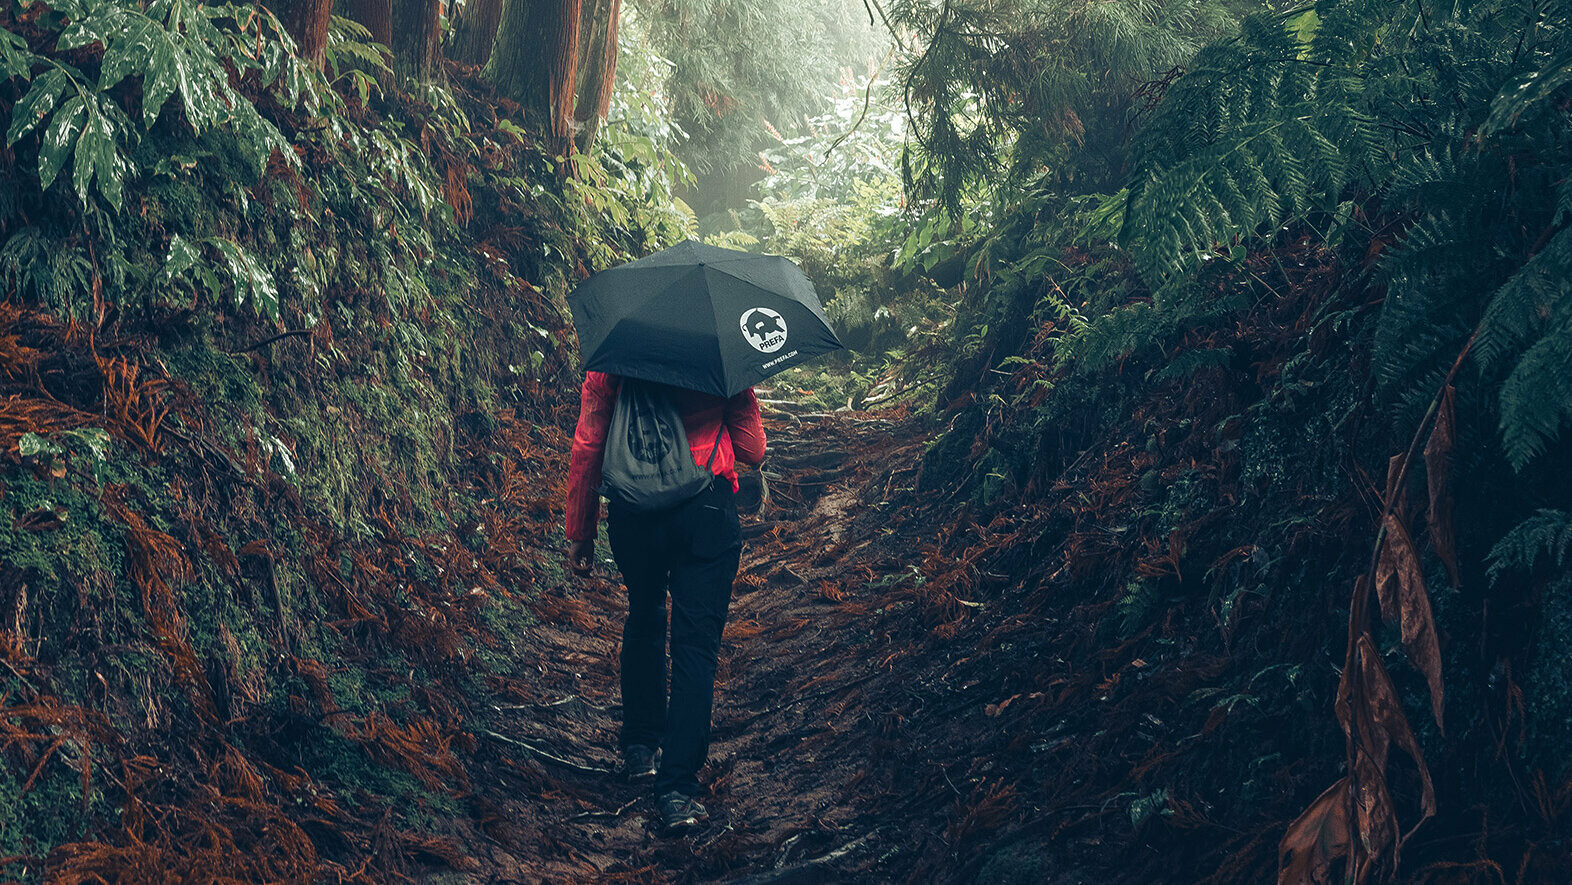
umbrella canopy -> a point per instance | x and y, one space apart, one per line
708 319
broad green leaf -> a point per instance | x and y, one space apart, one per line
363 84
16 60
96 439
60 140
32 444
182 255
130 53
170 70
250 279
100 25
37 104
98 157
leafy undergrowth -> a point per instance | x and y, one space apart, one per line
280 369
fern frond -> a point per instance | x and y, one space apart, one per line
1538 295
1250 139
1548 532
1536 400
1533 90
1426 315
48 270
1188 362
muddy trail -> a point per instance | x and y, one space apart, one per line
806 750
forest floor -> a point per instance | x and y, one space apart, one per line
802 761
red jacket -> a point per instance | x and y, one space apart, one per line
702 416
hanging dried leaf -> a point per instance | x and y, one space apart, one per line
1438 475
1401 587
1396 501
1372 716
1316 840
1396 508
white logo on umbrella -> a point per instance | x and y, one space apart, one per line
764 328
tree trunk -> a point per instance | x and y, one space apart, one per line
376 15
416 37
558 59
597 74
536 62
475 32
307 22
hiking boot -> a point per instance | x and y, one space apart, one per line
638 764
679 812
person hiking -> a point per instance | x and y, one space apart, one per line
689 552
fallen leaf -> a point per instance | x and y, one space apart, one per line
993 710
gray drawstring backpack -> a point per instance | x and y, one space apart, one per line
647 464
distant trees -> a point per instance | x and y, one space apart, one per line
556 58
737 64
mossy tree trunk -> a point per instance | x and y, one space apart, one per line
307 22
557 59
417 47
475 32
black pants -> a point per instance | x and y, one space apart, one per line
690 551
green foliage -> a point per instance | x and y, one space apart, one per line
1031 86
855 143
177 49
1135 608
1547 533
75 125
1259 132
1290 124
248 280
44 267
351 53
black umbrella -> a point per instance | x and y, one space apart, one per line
700 317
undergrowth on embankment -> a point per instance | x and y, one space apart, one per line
280 353
1266 472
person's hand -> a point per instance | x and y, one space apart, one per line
581 556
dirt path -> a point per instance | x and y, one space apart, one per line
794 775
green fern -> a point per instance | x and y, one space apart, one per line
44 268
1262 131
1536 400
352 54
1135 608
1446 122
1547 533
